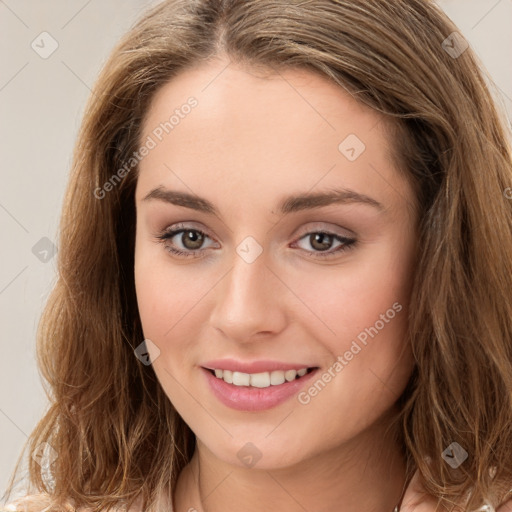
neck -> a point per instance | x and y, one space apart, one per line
367 473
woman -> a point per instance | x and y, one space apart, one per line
285 276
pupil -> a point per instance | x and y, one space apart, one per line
321 236
195 238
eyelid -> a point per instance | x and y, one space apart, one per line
185 226
304 230
321 226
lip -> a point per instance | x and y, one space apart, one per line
245 398
253 366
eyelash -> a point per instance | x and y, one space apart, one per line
163 237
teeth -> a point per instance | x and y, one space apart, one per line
290 375
260 380
241 379
277 378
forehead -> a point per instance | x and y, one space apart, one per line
239 96
249 129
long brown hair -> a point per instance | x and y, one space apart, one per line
116 435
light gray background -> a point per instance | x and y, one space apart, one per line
41 105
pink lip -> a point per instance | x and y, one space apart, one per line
252 367
246 398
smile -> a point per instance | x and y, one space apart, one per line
256 391
262 379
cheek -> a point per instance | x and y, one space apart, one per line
347 300
151 297
166 293
166 296
363 310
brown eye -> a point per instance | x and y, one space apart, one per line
192 239
321 242
183 241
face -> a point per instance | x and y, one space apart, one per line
274 234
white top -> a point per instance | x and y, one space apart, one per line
38 502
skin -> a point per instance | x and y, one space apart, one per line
251 140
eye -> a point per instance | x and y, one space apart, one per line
190 242
190 239
321 242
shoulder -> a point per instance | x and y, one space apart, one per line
41 502
507 507
416 499
29 503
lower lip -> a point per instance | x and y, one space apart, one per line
245 398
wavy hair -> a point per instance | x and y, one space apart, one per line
116 435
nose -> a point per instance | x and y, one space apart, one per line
249 302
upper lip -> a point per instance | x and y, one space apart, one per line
252 366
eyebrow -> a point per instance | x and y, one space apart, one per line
289 204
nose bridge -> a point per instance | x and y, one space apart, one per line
247 300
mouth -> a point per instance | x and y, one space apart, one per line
260 379
256 392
